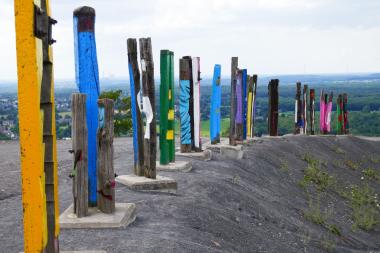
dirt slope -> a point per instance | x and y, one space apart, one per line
252 205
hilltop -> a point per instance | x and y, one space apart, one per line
289 194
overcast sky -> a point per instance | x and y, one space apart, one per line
269 36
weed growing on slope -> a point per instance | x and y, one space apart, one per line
371 173
314 213
365 207
374 159
351 164
338 150
284 166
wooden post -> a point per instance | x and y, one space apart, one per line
273 107
87 79
304 109
322 112
312 111
245 80
215 106
197 140
345 114
134 77
254 77
234 66
79 150
184 104
106 174
339 112
298 110
328 101
148 106
239 107
249 107
37 125
167 149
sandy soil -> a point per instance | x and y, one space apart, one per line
249 205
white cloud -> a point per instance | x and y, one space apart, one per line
269 36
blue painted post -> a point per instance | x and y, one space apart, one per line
215 106
245 79
185 103
87 79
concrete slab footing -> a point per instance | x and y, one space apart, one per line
182 166
125 214
160 184
226 150
205 155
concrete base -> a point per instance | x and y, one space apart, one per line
160 184
83 251
204 156
226 150
124 215
181 166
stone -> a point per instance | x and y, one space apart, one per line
125 214
160 184
225 149
205 155
182 166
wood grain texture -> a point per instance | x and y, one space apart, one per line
79 148
234 66
105 173
273 98
148 91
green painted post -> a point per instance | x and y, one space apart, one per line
167 150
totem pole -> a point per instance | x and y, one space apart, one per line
185 76
134 77
312 111
251 106
339 112
106 174
298 123
239 106
147 107
167 145
304 109
87 79
234 68
328 112
39 173
345 114
245 79
197 141
273 99
79 173
322 109
215 106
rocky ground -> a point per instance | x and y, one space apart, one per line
289 194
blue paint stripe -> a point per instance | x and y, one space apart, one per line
215 104
134 116
184 111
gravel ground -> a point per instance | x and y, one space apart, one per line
248 205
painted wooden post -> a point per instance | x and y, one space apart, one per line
254 106
167 148
184 104
245 79
298 110
148 107
239 107
215 105
37 125
134 77
106 174
328 101
273 107
87 79
312 111
79 150
304 108
345 114
339 112
322 112
249 107
234 66
197 140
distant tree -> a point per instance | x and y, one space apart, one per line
122 107
366 108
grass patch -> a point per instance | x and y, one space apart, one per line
374 159
334 230
314 213
365 207
371 173
338 150
284 166
351 164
